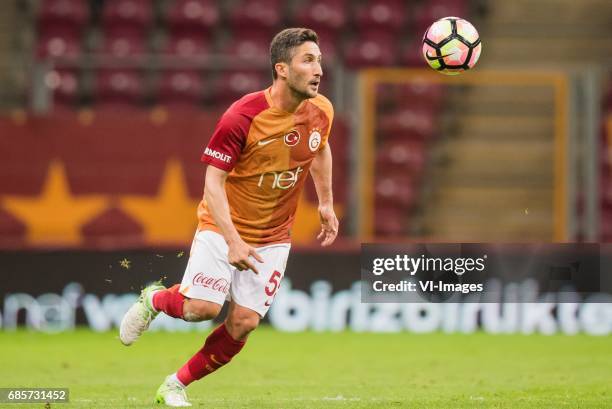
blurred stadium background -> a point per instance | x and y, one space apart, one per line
107 105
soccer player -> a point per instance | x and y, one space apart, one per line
258 158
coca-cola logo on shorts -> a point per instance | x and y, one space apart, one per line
216 284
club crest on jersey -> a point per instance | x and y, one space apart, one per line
314 141
292 138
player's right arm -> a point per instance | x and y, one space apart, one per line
222 153
218 206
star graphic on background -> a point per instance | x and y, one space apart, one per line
171 215
56 215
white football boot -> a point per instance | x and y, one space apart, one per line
172 393
138 318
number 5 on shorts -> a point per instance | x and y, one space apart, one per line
273 284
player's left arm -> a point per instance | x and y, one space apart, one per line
321 172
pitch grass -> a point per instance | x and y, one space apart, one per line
321 370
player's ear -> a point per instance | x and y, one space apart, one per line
281 69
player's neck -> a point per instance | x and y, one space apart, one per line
283 98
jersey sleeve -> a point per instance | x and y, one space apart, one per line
227 141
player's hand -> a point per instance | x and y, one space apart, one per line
238 256
329 225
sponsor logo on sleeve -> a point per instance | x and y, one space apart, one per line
217 155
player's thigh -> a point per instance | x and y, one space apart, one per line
257 291
208 274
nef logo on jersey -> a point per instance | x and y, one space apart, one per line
215 284
217 155
315 140
280 180
292 138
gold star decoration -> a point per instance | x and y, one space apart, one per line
125 263
169 217
56 215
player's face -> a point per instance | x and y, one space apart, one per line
304 73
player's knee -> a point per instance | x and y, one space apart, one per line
240 325
200 310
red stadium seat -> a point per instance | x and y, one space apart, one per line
411 53
256 16
249 47
381 14
178 88
416 95
64 85
321 15
390 220
330 45
395 190
187 45
428 12
371 49
124 42
118 88
232 85
192 16
73 14
58 43
400 156
403 123
136 14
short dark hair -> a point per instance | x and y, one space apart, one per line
281 48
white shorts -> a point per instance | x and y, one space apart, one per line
210 277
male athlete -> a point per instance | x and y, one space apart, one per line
258 158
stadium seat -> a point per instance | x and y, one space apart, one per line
321 15
256 16
135 14
192 17
187 45
411 53
381 14
406 123
400 156
415 95
58 43
64 85
71 14
426 13
232 85
249 47
394 188
330 45
180 88
124 42
118 88
389 220
371 49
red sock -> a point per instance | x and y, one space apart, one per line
169 301
218 350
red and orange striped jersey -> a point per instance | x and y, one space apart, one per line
268 153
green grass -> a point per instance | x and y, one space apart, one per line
312 370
